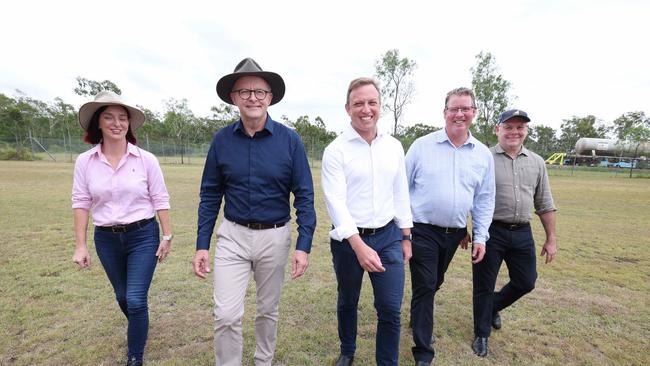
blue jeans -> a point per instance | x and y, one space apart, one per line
388 289
129 260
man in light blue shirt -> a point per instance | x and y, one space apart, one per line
450 174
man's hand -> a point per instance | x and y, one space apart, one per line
550 250
367 257
407 251
201 263
464 242
478 252
299 264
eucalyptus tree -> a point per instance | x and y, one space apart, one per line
491 91
397 89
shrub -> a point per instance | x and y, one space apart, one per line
17 154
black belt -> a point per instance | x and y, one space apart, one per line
260 226
126 227
447 230
440 229
511 226
373 231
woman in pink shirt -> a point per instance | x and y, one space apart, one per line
123 186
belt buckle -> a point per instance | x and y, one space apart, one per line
255 226
368 231
118 228
450 230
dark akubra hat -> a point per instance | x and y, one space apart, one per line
248 67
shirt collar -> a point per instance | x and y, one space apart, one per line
268 125
499 150
130 149
442 137
351 134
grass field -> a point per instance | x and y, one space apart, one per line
591 306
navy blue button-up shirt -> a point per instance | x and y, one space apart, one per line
255 175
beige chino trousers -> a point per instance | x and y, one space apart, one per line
240 251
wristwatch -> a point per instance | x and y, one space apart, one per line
168 237
408 237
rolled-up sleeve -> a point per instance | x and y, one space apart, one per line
403 217
483 207
335 191
81 197
543 199
157 188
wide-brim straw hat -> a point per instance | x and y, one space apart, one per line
248 67
104 98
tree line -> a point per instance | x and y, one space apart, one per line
24 119
492 91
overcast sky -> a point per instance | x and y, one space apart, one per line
564 58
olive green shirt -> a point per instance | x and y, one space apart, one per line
521 184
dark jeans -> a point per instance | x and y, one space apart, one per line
517 249
388 289
432 252
129 260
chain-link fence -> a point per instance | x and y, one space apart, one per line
167 151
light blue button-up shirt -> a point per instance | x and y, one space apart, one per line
447 183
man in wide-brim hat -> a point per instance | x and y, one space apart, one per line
253 164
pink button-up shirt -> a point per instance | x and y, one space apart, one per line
132 192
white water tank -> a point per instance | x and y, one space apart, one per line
610 147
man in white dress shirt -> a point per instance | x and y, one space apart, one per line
364 181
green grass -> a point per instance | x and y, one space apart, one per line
591 306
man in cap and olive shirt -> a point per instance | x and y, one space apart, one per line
521 185
253 165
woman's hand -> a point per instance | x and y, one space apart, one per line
163 250
81 257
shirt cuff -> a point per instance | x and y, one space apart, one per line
202 243
83 204
303 243
343 232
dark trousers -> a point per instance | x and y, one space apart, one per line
388 290
517 249
129 260
433 250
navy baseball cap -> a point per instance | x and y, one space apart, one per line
512 113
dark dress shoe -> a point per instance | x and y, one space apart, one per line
422 363
480 346
134 362
496 321
344 360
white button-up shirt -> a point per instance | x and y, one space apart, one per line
365 184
